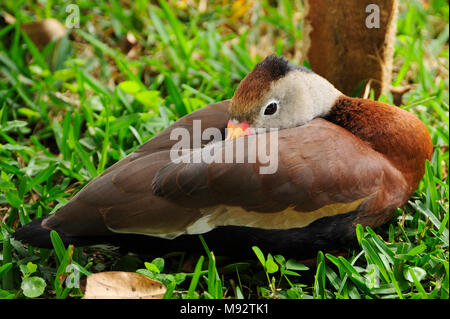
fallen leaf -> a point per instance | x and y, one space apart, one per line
122 285
40 32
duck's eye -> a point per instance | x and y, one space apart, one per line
271 108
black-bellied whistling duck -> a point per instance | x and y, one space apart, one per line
341 161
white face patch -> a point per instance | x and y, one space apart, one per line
301 97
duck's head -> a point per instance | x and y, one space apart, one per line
277 94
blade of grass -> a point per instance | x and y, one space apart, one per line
58 245
319 282
86 160
8 277
195 278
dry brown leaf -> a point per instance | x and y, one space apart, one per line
40 32
122 285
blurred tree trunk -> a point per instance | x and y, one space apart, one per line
350 42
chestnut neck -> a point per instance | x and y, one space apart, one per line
397 134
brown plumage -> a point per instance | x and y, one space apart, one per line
354 165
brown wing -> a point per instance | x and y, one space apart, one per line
322 170
121 198
213 115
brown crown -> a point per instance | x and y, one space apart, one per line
256 85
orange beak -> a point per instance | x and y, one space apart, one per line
237 130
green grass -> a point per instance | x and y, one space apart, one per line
73 109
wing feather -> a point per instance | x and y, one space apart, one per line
319 164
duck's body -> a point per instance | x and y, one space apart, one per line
349 161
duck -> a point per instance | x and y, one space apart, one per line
340 161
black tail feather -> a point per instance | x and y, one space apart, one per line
35 235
